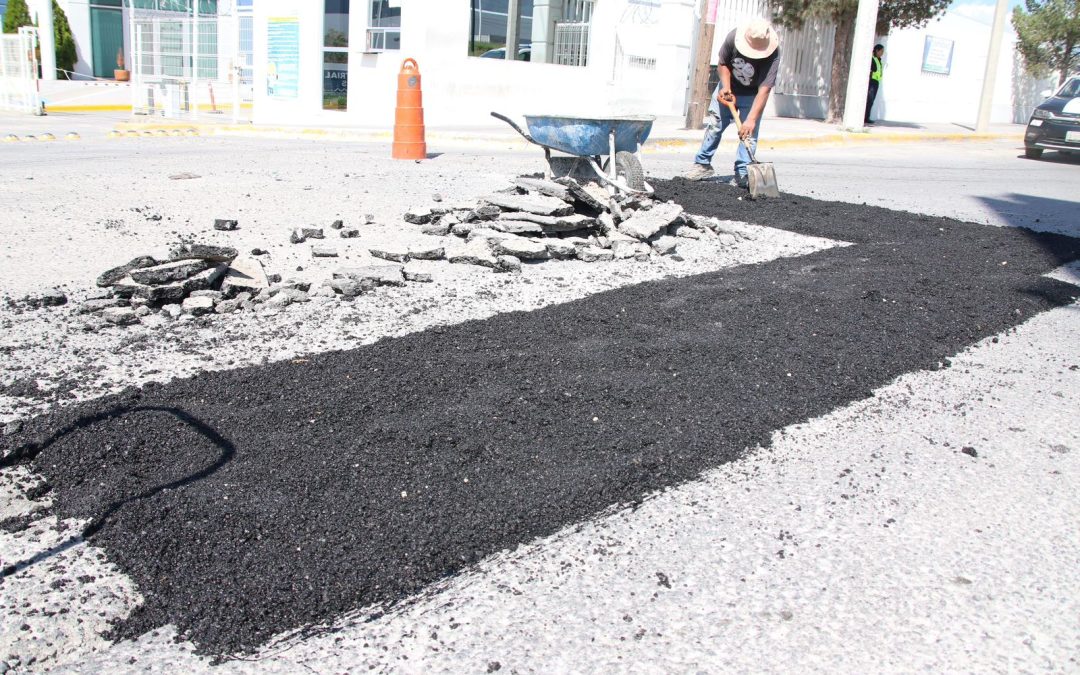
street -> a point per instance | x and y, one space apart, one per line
907 500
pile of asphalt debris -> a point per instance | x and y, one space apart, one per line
562 219
534 220
201 279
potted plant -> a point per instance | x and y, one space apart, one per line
120 74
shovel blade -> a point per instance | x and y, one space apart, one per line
762 180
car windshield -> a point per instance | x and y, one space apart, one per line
1071 88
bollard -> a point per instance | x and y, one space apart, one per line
409 117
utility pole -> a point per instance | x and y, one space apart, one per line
699 81
986 100
862 48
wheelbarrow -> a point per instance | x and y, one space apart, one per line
590 140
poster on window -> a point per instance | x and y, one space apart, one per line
937 55
283 57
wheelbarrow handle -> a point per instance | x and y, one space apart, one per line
512 123
730 103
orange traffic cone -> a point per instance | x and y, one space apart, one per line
409 118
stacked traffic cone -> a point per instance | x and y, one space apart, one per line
409 119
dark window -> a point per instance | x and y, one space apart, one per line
336 55
336 24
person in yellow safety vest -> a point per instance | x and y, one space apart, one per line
876 71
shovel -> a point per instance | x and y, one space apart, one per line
761 175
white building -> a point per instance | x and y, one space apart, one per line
336 62
935 73
582 57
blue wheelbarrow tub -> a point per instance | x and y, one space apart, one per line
588 137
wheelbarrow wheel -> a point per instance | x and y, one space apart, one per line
628 168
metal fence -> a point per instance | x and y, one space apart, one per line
571 44
19 71
806 65
185 67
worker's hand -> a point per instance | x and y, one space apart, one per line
747 129
725 96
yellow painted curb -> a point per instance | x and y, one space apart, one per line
654 146
203 107
87 108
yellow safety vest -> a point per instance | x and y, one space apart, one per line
876 73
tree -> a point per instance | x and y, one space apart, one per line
842 13
16 16
1049 36
65 42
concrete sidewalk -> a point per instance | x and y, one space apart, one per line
668 135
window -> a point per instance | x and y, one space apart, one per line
336 55
507 30
491 24
384 25
184 6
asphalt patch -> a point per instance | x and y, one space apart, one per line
251 502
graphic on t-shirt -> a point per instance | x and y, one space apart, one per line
743 71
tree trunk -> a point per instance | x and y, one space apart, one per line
1066 66
841 64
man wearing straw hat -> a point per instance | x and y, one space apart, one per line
749 60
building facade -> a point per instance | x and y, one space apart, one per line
337 61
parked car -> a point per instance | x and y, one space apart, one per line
1055 124
524 54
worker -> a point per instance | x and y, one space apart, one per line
876 71
749 60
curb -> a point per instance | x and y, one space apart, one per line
86 108
125 107
655 145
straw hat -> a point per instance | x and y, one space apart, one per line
756 39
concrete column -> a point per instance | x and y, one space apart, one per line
545 14
46 38
512 30
862 47
986 100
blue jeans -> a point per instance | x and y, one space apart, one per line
720 118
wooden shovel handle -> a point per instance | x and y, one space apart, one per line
730 103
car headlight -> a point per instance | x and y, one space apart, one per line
1041 114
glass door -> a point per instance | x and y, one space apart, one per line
107 39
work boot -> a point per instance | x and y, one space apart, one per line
699 172
740 181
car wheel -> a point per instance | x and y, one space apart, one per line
1033 153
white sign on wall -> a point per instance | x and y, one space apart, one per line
937 55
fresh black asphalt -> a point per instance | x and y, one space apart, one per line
254 501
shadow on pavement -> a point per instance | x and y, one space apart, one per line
30 451
1044 214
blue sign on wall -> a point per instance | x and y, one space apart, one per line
937 55
283 57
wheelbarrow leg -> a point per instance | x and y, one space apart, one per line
613 172
648 188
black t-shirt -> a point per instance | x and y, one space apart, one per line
747 74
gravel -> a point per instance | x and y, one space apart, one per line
249 502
